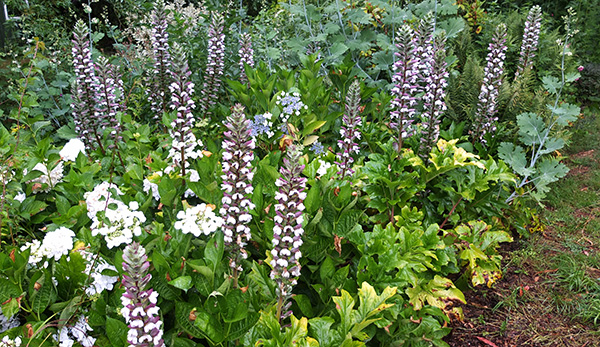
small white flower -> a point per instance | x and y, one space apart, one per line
71 149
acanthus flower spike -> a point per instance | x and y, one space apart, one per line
435 93
88 121
350 131
139 305
237 188
161 78
531 37
246 54
109 96
485 118
214 65
288 230
405 84
183 146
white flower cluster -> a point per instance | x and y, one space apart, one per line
194 176
8 342
46 181
197 220
71 149
78 332
6 324
191 147
151 185
102 196
20 197
120 221
323 167
100 282
55 244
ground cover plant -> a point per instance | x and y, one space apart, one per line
320 174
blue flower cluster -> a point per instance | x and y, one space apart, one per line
291 104
261 125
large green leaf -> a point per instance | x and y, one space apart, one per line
116 331
436 292
514 156
44 295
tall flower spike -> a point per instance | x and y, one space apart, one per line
405 84
109 96
88 122
246 54
139 305
423 43
162 60
485 118
237 185
350 131
181 100
287 232
531 37
435 93
214 65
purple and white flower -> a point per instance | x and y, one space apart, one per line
237 188
490 88
531 37
215 64
405 83
161 78
435 93
139 304
350 131
246 54
288 230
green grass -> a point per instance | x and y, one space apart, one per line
571 243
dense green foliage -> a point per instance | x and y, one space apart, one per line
386 249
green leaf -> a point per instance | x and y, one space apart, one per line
347 222
8 290
213 253
235 306
344 305
572 77
135 171
552 145
210 326
68 312
182 282
304 304
551 83
241 328
532 129
167 190
337 49
309 140
182 317
45 295
312 126
327 269
371 303
320 328
566 113
436 292
116 331
514 156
